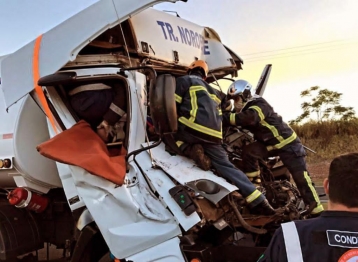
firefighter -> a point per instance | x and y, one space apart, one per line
199 133
333 236
102 105
273 137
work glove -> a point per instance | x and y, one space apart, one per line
119 129
108 130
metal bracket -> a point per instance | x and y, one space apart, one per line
176 56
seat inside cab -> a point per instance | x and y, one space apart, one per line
87 98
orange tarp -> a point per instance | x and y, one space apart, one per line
81 146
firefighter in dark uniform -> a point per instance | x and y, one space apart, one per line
273 137
333 236
199 133
102 105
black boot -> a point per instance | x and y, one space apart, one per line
264 208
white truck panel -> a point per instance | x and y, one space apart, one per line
168 251
62 43
165 33
30 131
119 214
162 184
138 98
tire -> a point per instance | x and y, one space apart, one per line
96 250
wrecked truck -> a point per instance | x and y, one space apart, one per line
152 205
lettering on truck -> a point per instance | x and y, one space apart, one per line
187 36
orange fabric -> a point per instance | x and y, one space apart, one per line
81 146
36 77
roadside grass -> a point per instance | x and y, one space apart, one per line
329 138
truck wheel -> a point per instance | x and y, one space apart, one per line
96 250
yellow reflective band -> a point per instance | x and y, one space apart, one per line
259 111
220 112
264 123
201 128
179 143
194 101
232 119
215 98
253 174
283 143
194 105
178 98
318 209
198 88
201 88
273 130
254 195
313 190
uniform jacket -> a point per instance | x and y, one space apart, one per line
199 108
260 119
330 237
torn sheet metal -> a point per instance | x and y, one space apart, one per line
162 183
184 170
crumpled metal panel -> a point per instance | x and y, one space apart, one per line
62 43
184 170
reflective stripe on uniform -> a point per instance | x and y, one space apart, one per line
194 108
292 242
215 98
259 111
200 128
116 109
232 119
201 88
283 143
179 143
319 207
273 130
264 123
194 103
253 174
178 98
253 196
89 87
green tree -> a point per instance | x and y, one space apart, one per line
325 105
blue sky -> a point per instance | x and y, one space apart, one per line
316 40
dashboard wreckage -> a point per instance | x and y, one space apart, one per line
154 206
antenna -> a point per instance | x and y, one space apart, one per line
171 12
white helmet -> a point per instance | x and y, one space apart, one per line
240 88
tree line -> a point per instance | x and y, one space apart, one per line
324 105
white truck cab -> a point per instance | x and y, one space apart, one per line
167 209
